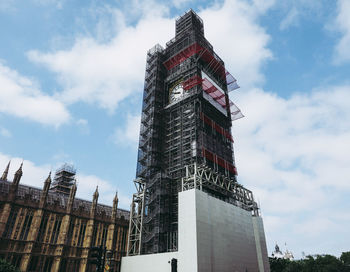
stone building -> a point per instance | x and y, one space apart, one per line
52 230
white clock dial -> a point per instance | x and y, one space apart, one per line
176 93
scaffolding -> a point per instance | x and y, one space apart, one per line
136 218
64 179
203 178
213 63
177 134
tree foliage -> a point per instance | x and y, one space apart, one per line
6 267
318 263
345 257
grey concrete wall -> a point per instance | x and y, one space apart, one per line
148 263
261 248
225 235
187 243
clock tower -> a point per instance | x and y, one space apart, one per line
185 133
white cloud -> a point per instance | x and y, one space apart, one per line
57 3
106 73
238 38
35 175
87 186
180 3
83 125
262 6
291 19
6 5
129 135
5 132
21 96
293 154
32 174
82 122
342 24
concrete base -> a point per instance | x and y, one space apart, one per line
213 236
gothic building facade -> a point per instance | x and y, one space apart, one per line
50 229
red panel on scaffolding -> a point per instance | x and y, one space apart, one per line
231 82
214 92
232 169
204 54
209 58
183 55
217 127
191 82
208 87
219 97
209 155
219 161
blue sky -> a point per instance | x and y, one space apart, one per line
71 80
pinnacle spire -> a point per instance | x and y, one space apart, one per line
49 177
115 199
115 205
18 175
96 191
19 171
47 182
96 194
73 190
4 175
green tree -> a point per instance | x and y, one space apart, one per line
319 263
345 257
278 265
294 266
6 267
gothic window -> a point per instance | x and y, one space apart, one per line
104 235
48 264
123 240
93 242
42 228
81 234
26 225
10 223
70 231
16 260
19 223
56 230
33 264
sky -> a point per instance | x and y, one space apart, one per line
71 82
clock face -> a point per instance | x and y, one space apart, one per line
176 93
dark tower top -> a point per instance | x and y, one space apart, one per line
190 21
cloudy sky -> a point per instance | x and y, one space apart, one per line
71 80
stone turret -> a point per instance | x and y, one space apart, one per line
72 193
89 231
115 206
4 175
18 176
94 203
47 183
46 188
